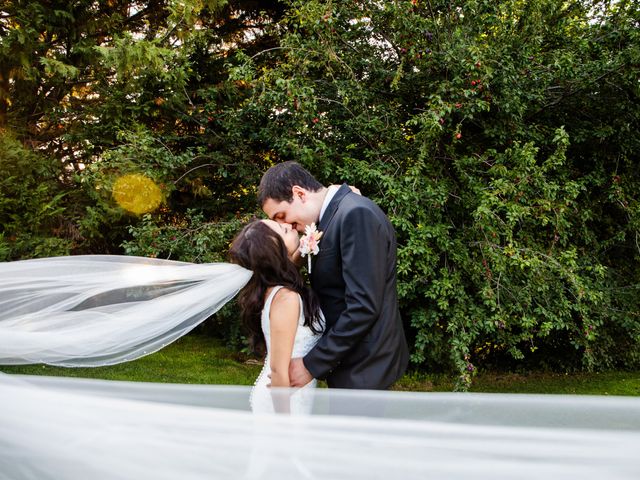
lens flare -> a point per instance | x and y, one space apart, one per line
137 193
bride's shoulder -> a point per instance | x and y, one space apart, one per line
285 301
285 296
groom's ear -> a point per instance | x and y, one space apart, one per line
299 193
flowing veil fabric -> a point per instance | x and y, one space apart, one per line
101 310
73 429
97 310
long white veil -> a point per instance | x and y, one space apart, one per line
100 310
73 429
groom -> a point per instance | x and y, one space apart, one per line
354 276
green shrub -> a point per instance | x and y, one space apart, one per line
497 136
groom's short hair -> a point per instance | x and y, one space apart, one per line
278 181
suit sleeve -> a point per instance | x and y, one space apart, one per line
364 249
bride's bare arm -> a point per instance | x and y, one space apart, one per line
283 323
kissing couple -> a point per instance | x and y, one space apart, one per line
345 329
95 310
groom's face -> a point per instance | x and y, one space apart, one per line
299 212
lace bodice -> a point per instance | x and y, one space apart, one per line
304 340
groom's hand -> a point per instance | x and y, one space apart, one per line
299 376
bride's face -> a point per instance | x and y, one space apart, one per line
287 233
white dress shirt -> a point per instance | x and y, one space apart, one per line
331 191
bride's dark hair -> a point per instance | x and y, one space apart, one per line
260 249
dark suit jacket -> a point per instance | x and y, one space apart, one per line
354 276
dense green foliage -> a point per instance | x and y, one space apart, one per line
31 204
500 138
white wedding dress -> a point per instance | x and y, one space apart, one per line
263 397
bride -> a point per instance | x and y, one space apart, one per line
98 310
280 313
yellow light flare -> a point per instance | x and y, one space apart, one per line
137 193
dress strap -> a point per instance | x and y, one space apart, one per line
272 294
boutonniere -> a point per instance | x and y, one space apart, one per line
309 243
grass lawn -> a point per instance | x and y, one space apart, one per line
608 383
199 359
191 359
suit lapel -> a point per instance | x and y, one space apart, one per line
328 215
333 207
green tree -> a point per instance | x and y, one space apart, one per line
33 220
106 89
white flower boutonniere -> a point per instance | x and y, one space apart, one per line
309 243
